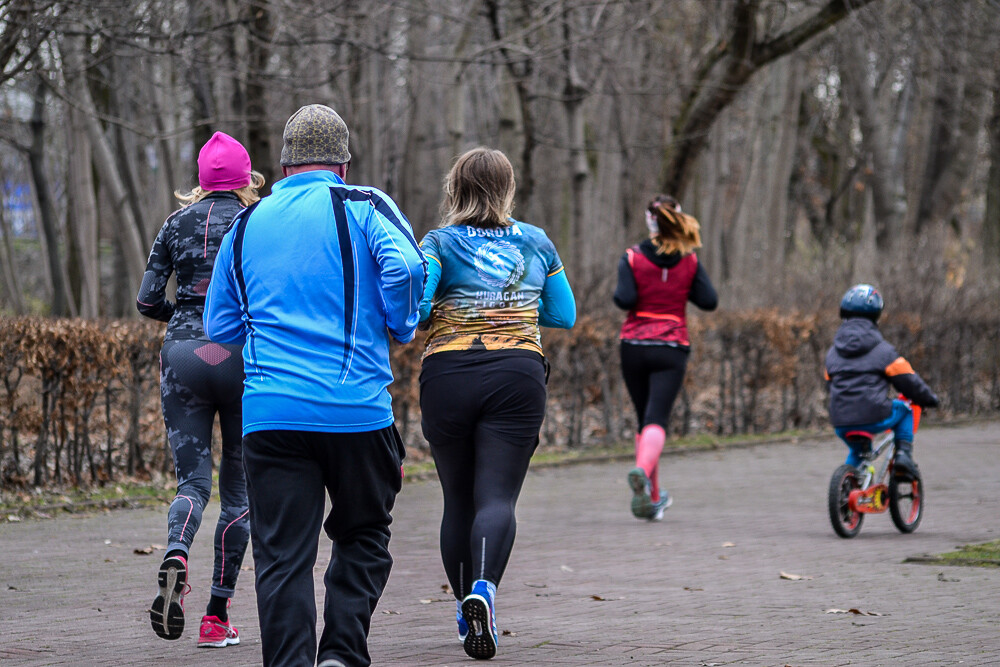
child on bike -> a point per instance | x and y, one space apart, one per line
860 368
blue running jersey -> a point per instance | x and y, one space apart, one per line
490 288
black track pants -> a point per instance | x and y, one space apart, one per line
288 474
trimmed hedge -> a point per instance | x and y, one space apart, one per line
80 400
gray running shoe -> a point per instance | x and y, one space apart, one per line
642 503
665 501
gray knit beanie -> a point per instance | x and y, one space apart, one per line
315 134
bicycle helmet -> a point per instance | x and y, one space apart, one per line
862 301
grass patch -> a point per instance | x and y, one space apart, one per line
41 503
986 554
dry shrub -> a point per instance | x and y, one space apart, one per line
79 403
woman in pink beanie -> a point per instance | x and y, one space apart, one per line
199 379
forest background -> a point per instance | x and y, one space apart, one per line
820 143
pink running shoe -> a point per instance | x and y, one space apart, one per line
166 614
216 633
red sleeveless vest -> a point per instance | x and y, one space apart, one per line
660 312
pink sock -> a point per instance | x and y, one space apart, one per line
654 481
647 455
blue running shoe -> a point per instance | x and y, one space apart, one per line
663 503
642 504
480 615
463 627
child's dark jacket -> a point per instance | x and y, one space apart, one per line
860 367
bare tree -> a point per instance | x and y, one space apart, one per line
24 26
726 68
129 237
965 51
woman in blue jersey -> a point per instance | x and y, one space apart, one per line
492 281
199 379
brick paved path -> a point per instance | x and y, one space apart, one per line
587 583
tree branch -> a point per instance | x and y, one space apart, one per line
791 39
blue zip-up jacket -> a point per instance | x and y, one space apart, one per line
314 279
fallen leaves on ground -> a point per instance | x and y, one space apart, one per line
852 610
147 550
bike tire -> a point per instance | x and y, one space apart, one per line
906 503
846 522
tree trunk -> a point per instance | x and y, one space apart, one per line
82 216
959 110
11 283
574 93
258 118
61 304
991 217
129 235
198 75
760 221
519 70
882 138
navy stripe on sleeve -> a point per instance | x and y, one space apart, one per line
392 216
241 227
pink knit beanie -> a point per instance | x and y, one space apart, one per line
223 164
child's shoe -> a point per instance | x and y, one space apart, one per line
166 614
217 634
642 503
480 616
903 466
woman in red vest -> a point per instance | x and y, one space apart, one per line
656 279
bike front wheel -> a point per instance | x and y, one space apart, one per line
906 503
846 522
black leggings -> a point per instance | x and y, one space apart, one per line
481 418
653 376
197 380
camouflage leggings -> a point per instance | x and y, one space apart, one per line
197 380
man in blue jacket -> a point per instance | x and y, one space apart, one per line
314 280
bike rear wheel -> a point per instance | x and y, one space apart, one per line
846 522
906 503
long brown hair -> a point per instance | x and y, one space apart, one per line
678 231
479 190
